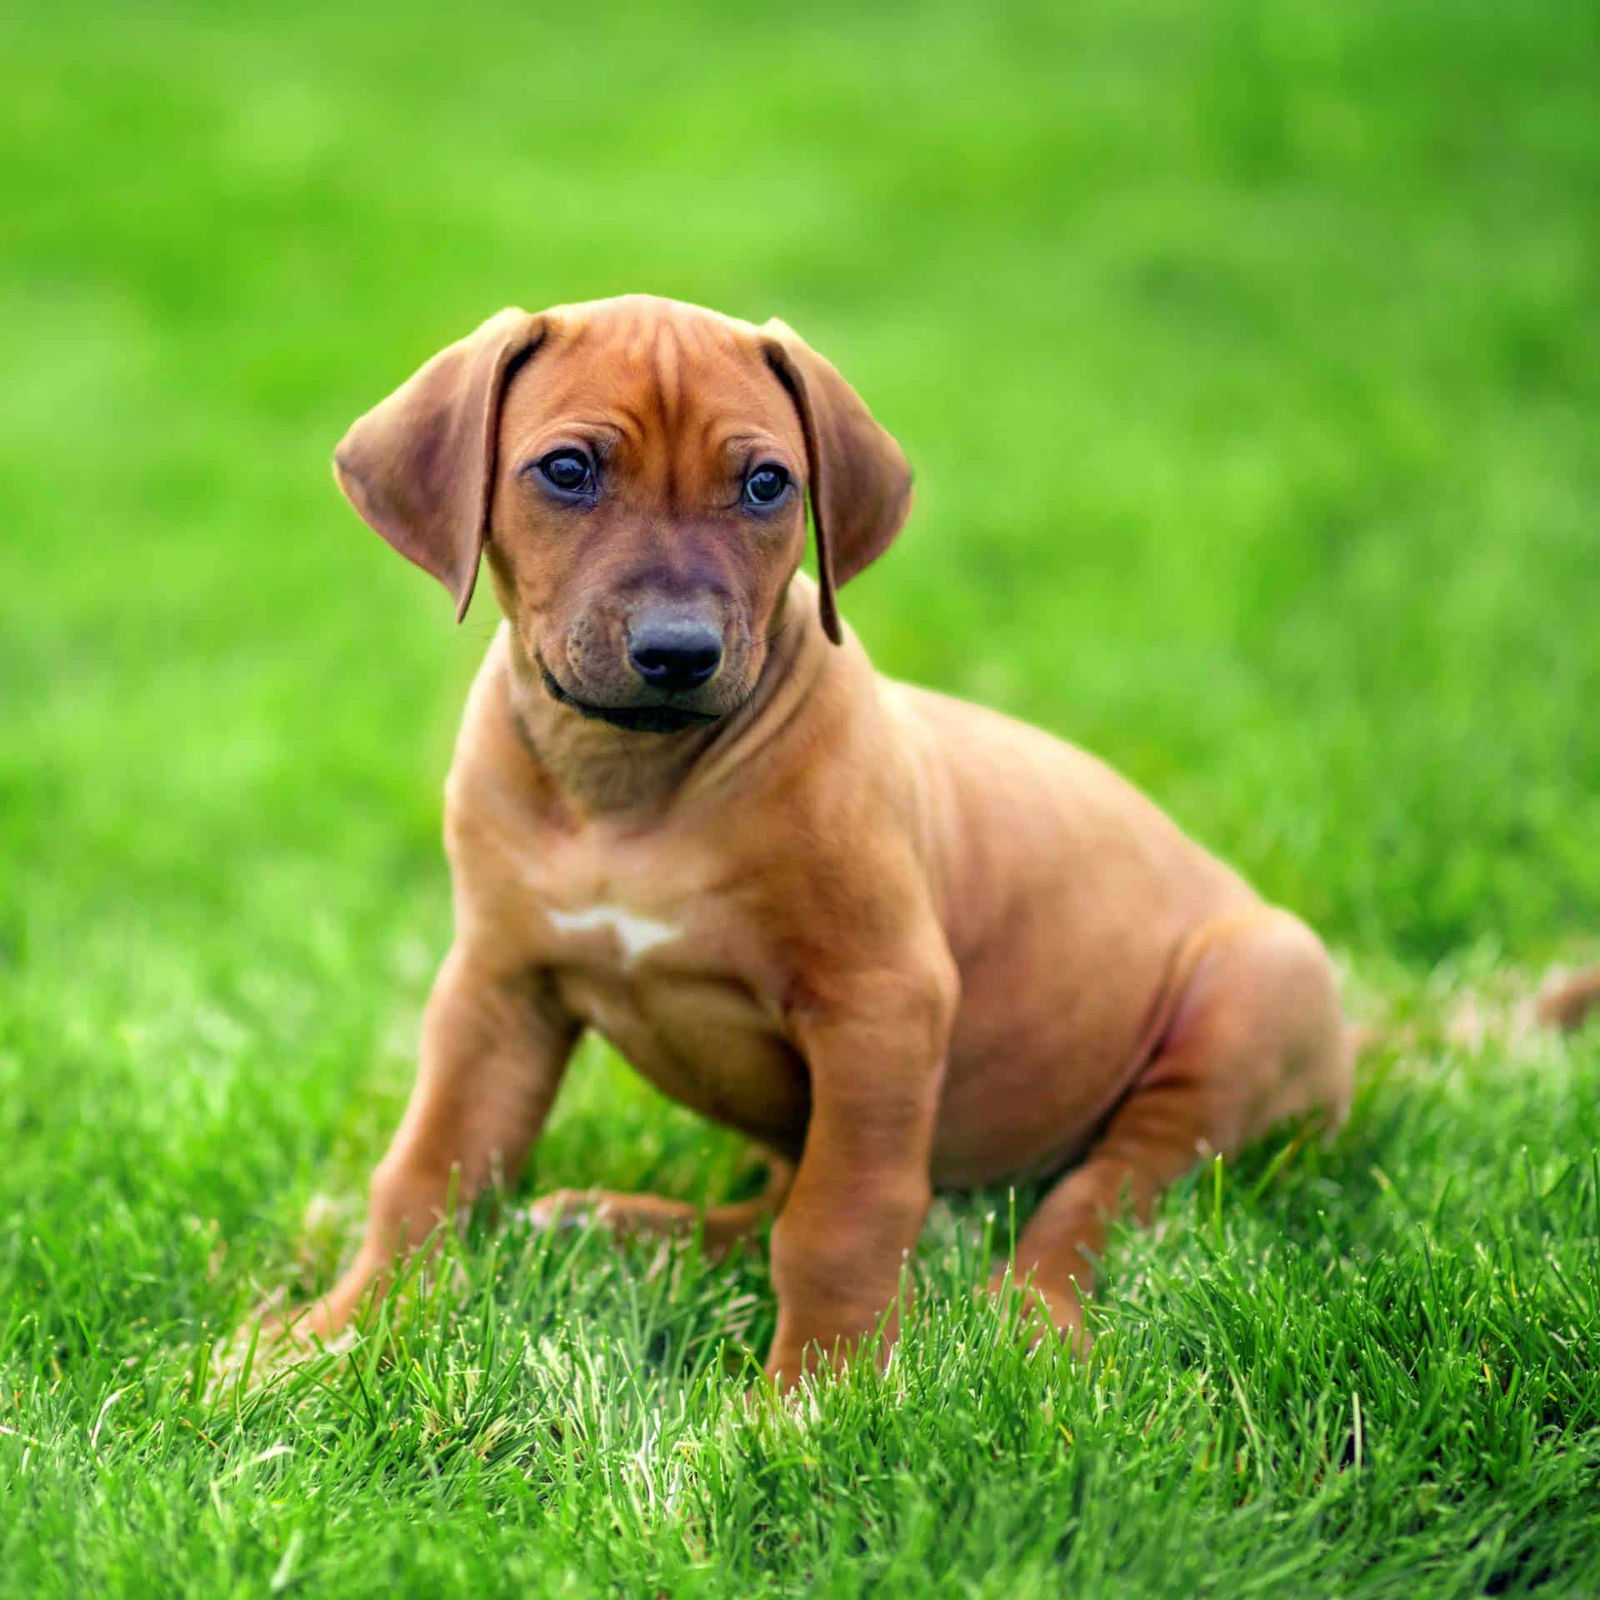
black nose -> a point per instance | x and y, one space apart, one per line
674 653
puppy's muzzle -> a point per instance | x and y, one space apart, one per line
674 654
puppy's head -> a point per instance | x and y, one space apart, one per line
636 472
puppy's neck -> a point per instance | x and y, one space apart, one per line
599 770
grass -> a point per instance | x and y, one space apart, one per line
1249 357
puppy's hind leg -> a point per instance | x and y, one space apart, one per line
720 1227
1256 1035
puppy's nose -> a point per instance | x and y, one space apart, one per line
674 653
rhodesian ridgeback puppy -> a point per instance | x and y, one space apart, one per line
898 941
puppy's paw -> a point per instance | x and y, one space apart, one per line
567 1209
273 1340
317 1326
1044 1310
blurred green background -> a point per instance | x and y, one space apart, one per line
1249 355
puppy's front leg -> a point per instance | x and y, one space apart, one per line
862 1189
494 1047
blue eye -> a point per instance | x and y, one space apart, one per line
567 470
766 485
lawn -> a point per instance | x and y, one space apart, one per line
1249 355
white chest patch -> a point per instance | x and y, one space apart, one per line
636 936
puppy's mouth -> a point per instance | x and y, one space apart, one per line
633 719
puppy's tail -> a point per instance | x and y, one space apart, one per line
1569 1004
1564 1006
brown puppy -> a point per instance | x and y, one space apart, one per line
897 940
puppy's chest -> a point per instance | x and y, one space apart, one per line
609 910
675 975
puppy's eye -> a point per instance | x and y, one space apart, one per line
567 470
765 486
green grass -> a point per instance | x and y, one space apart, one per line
1250 359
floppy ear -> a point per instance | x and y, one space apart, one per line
420 466
860 481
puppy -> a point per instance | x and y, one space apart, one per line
896 940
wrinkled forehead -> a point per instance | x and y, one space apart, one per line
651 379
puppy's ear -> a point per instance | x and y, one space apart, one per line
860 481
420 466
